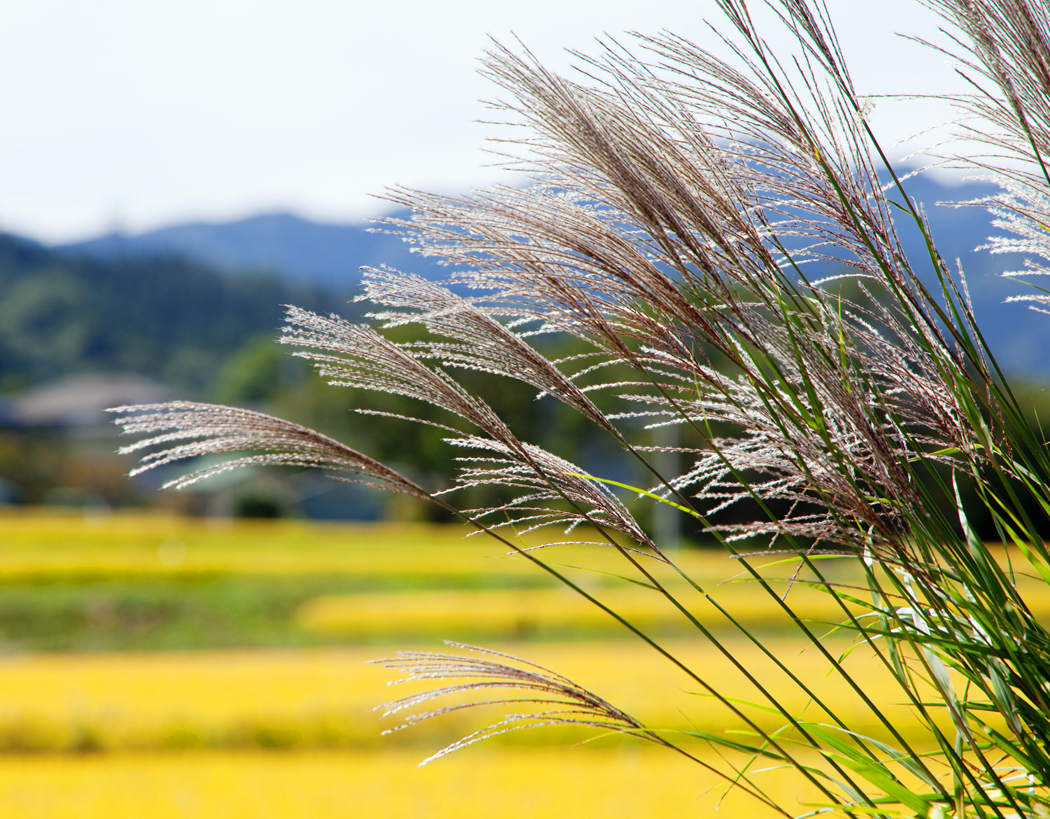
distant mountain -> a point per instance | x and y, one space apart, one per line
295 249
298 250
1019 336
172 319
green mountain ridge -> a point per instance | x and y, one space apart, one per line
298 250
166 317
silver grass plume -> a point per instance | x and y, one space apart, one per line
669 226
359 356
1004 50
556 700
213 429
546 479
480 341
658 237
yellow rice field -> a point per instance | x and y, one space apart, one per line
41 545
38 544
183 734
318 698
538 611
509 783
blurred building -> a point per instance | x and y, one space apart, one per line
76 405
58 447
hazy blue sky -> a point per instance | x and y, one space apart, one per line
138 114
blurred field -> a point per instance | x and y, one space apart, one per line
294 734
145 582
326 698
99 717
546 612
508 783
42 545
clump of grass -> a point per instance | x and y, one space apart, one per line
677 202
